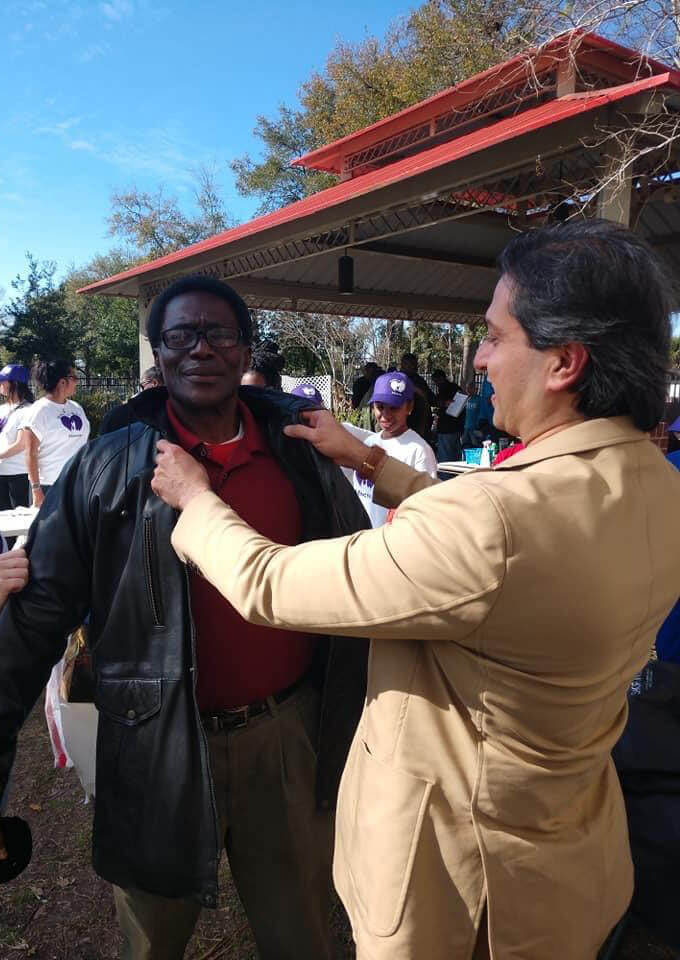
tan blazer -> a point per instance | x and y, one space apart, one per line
509 611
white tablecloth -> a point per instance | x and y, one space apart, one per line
15 523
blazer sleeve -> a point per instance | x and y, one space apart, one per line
434 572
398 481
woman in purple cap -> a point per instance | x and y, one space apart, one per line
392 403
17 396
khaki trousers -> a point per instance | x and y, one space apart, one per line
278 844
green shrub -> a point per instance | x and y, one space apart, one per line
96 404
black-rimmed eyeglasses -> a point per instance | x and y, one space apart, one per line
186 338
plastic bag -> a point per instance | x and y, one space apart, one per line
73 730
53 704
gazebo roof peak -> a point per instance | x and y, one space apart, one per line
574 62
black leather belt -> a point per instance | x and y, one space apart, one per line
239 716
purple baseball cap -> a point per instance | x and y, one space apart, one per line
307 392
675 426
392 389
14 372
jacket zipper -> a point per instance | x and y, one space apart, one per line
154 600
201 731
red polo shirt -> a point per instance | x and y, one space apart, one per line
239 662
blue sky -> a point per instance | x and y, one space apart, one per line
101 94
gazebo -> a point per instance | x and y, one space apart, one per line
427 198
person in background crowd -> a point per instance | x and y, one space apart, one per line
56 426
449 429
213 733
366 420
674 442
420 419
152 377
478 423
120 415
14 488
668 637
392 401
308 392
480 813
364 383
264 370
471 417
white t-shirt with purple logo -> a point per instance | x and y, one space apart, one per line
14 421
5 410
62 429
409 448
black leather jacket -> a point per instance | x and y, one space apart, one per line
101 543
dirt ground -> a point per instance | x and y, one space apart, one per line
58 909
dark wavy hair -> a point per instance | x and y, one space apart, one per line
21 391
48 373
599 284
197 283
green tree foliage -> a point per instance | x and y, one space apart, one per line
437 45
154 224
35 323
314 343
46 319
274 180
107 327
97 404
434 47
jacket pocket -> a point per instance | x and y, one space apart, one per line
150 573
128 701
379 822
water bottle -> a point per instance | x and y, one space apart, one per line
485 460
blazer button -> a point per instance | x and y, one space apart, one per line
131 714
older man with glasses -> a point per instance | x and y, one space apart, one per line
213 733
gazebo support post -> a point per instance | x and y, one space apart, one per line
146 358
613 200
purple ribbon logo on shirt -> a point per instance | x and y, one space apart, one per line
73 422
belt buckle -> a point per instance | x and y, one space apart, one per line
240 717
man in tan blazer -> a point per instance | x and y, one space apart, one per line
480 814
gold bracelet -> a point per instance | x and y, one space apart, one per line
369 468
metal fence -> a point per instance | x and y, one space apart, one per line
125 387
122 387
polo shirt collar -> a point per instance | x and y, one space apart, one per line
252 442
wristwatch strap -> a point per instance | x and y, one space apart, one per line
370 468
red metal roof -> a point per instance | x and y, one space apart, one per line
621 62
540 117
